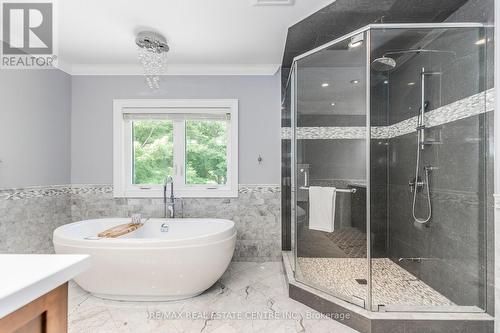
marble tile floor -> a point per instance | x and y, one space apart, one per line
392 285
250 297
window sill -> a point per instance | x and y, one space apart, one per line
181 193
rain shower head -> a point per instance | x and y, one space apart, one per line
386 63
383 64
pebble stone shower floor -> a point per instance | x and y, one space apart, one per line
391 284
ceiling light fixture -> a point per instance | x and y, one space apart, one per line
356 41
324 85
332 104
386 81
152 55
354 81
411 83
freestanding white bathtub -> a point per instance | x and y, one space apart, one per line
150 263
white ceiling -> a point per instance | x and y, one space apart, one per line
205 36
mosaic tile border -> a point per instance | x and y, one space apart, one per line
259 188
286 133
34 192
464 108
59 190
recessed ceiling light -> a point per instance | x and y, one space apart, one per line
356 41
386 81
354 81
332 104
411 83
325 84
482 41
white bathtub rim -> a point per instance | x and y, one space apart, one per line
59 237
160 244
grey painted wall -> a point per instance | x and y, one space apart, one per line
34 128
259 120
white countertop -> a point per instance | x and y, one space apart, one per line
25 277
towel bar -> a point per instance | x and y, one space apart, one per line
343 190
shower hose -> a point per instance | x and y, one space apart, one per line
425 184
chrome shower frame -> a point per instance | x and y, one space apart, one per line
292 79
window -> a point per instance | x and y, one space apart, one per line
194 141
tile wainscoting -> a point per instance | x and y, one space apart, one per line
31 214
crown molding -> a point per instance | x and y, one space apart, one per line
173 69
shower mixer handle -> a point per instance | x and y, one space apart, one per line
416 185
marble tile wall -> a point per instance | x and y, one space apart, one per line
256 213
32 214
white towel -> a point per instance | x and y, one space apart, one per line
322 208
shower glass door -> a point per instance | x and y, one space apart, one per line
329 145
428 169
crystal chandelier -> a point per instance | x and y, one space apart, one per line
153 50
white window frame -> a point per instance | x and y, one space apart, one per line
122 147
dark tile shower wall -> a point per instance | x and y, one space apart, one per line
335 159
337 163
450 272
344 16
286 193
482 11
378 198
452 247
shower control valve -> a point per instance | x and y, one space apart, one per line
418 184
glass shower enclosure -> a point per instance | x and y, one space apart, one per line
388 132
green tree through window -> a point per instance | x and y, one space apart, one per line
153 151
206 151
206 145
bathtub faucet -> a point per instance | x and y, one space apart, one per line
169 208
